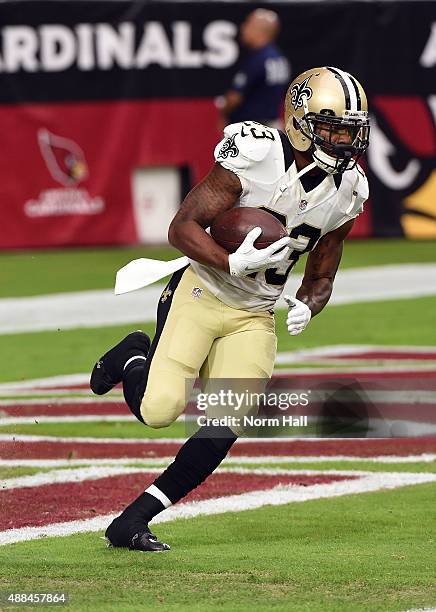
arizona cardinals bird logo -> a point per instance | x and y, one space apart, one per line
299 92
64 158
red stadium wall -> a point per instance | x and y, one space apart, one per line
76 190
90 91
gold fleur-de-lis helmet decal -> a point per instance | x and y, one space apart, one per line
299 92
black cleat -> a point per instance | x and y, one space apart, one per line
134 536
108 371
147 542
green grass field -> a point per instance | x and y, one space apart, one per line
81 269
367 552
68 351
32 355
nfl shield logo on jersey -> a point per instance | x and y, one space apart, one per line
302 205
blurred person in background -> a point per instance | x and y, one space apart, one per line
259 85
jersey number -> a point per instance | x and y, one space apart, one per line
256 132
305 234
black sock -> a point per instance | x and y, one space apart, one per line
134 519
144 508
134 383
195 461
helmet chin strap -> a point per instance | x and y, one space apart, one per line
283 188
328 163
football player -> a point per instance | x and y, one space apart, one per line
215 316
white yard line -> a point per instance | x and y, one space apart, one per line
276 496
240 460
102 308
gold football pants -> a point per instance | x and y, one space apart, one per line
197 334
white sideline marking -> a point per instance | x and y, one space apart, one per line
235 503
101 308
95 473
61 311
52 463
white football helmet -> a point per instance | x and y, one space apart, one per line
326 112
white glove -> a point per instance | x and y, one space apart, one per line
298 316
247 259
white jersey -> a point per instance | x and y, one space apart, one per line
309 208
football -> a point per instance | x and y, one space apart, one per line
230 228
